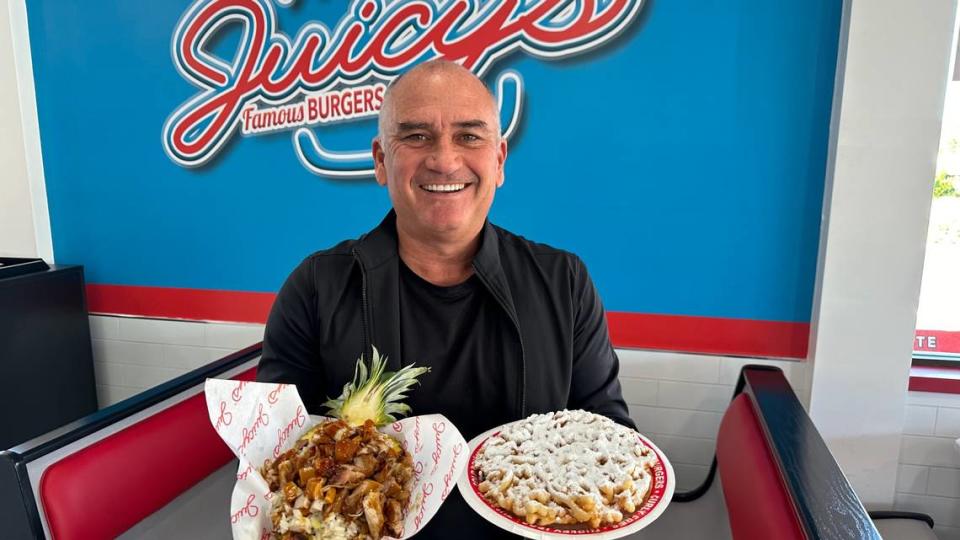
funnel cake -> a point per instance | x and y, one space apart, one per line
567 468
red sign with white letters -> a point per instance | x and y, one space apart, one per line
936 342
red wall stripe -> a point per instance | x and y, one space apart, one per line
704 335
709 335
173 303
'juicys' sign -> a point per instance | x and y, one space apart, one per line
277 83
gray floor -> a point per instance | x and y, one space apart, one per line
201 512
705 517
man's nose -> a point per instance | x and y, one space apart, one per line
445 157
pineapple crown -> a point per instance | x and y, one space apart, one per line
374 394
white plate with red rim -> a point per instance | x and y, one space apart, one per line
662 491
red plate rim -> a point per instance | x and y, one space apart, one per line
655 499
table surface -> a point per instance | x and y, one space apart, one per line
204 512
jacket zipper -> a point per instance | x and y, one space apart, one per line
523 356
368 346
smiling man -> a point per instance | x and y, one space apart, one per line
507 326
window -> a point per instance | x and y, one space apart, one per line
938 318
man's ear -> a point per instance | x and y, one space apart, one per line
501 160
379 169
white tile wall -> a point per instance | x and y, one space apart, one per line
232 336
105 327
666 421
930 451
944 482
689 450
161 331
678 401
695 396
730 370
672 367
132 355
928 479
912 479
948 423
640 391
920 420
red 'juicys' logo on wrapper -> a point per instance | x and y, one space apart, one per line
450 478
294 425
225 418
249 509
273 82
268 419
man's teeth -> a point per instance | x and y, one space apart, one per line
443 187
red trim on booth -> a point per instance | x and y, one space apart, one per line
705 335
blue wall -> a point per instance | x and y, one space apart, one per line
683 160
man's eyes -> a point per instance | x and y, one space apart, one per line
466 138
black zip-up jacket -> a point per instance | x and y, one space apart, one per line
340 301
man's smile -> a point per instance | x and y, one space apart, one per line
444 188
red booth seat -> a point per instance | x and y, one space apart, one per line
103 489
777 476
758 505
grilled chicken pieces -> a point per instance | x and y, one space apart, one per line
336 471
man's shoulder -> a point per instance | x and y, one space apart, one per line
332 255
512 242
320 266
520 255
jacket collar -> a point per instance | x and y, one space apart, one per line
380 246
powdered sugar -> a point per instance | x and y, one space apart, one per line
566 467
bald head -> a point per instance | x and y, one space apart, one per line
450 75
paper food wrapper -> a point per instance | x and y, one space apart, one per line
259 421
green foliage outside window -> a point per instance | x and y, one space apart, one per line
943 185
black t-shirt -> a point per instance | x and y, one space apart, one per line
460 333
